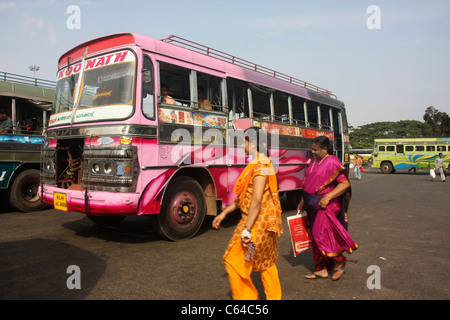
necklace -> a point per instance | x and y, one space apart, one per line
312 167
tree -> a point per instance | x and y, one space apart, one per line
439 122
363 137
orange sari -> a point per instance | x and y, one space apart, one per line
268 226
265 233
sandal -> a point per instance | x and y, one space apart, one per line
338 272
315 276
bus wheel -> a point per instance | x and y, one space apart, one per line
24 192
183 210
386 167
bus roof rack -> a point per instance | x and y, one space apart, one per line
181 42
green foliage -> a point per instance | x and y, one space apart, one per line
364 136
439 122
436 124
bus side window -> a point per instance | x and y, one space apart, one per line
281 106
177 80
148 102
209 92
336 125
298 111
441 148
237 99
390 148
325 121
420 148
381 148
261 102
409 148
313 114
430 148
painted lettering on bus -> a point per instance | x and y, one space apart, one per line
94 63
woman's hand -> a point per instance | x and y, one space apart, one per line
300 206
339 190
246 237
324 201
218 220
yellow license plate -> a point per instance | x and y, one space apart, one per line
60 201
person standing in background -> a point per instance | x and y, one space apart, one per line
358 164
439 166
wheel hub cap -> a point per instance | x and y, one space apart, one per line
183 209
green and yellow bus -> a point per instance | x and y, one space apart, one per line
406 153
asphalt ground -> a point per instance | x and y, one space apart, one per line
400 222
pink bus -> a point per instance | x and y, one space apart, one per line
150 127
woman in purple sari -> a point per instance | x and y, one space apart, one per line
326 193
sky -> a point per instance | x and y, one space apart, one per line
386 60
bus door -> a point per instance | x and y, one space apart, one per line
400 149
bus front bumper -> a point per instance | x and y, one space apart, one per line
95 202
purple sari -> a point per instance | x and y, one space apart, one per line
328 226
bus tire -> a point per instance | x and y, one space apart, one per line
386 168
183 210
24 194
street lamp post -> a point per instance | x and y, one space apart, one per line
34 69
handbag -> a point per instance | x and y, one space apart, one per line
361 169
299 236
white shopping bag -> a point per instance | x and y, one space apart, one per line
432 173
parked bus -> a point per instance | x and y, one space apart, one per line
365 154
27 103
406 153
148 127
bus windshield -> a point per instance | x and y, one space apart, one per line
104 92
64 94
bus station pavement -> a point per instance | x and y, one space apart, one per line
400 222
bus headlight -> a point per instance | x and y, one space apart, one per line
49 166
107 168
95 168
110 168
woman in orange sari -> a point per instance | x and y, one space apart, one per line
260 225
